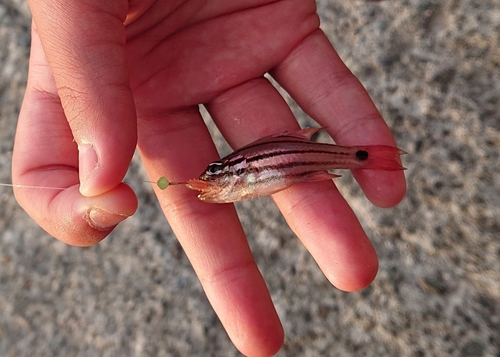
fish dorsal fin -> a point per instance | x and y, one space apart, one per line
302 134
306 133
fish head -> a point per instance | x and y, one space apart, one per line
220 183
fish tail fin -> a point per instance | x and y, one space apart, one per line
379 157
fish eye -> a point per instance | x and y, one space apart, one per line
214 168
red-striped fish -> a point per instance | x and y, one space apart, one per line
276 162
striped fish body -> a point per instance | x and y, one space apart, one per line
274 163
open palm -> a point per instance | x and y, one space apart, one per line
120 86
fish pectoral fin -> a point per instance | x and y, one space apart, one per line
320 176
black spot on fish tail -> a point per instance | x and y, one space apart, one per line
362 155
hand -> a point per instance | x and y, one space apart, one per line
105 76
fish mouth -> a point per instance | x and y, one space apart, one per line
199 185
209 191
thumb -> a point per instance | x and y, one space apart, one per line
84 42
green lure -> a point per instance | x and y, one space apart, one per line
163 183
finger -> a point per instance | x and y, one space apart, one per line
324 87
85 47
316 212
178 146
46 155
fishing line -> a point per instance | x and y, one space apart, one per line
162 184
28 186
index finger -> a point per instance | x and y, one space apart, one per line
325 88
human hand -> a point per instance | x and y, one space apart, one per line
141 83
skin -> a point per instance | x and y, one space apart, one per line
106 76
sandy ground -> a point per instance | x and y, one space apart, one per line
433 69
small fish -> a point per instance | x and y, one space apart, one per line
279 161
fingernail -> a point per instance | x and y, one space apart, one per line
101 219
88 161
